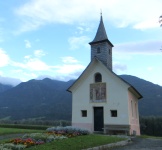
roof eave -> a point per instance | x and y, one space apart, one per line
132 88
106 40
81 74
68 91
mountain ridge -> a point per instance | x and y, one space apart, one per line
49 98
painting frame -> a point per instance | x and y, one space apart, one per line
98 92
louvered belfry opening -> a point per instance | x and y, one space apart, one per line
98 77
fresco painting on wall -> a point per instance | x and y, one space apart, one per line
98 92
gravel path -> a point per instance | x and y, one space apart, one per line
142 144
4 137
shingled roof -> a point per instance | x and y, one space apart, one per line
101 35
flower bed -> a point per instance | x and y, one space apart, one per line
52 134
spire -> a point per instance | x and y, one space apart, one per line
101 34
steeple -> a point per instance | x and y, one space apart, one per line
101 33
101 47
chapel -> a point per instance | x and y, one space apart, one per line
101 100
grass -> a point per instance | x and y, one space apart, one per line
5 131
75 143
78 143
147 136
35 118
6 118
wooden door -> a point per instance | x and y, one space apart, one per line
98 118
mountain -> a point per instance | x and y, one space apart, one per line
49 98
37 98
34 92
151 103
4 88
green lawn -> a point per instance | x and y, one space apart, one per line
147 136
6 118
78 143
74 143
4 131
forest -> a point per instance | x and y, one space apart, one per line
151 125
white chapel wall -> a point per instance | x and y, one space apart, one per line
117 98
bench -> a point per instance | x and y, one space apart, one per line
116 127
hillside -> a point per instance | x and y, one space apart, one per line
49 98
37 98
4 88
151 103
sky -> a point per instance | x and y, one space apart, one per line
49 38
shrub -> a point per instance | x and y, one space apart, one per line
68 129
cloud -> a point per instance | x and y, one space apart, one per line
39 53
81 29
10 81
1 73
26 74
33 64
1 32
37 40
28 56
119 68
67 77
61 78
30 74
17 64
4 58
149 68
150 47
28 45
70 68
69 60
122 56
34 75
15 71
36 64
141 14
147 24
87 29
76 42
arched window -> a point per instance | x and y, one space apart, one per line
98 77
98 50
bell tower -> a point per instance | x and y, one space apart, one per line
101 47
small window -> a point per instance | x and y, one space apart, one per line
113 113
98 77
109 51
98 50
136 110
132 107
84 113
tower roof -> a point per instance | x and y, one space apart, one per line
101 35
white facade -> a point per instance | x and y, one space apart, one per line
116 98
